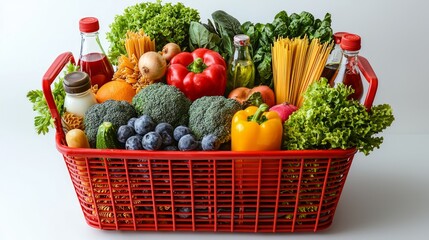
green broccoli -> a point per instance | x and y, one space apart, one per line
212 115
164 103
116 112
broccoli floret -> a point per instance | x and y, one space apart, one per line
116 112
212 115
164 103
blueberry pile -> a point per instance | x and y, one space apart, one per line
143 133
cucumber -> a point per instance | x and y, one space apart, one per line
106 136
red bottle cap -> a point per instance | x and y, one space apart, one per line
350 42
89 24
338 36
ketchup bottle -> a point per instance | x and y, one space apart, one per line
350 44
92 59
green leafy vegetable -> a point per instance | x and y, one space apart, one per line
262 37
217 35
43 120
163 22
327 120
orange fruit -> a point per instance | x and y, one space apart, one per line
116 90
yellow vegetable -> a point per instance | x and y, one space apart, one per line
76 138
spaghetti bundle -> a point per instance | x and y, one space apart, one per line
137 43
297 63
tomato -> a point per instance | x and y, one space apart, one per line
241 94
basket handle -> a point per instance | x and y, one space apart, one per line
372 79
49 77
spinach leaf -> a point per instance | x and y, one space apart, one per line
201 37
229 24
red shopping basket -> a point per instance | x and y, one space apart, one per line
268 191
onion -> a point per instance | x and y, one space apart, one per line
284 110
152 66
170 50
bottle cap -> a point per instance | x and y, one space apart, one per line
241 40
89 24
338 36
350 42
76 82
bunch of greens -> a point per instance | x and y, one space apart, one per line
262 37
163 22
327 120
216 35
43 120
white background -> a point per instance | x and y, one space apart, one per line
386 195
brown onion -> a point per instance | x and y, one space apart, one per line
170 50
152 65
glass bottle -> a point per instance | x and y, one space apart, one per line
351 44
241 69
93 59
334 60
79 96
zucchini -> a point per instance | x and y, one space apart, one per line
106 136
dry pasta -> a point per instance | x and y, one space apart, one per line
136 44
297 63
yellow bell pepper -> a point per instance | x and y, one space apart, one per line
256 129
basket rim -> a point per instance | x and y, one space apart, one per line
122 153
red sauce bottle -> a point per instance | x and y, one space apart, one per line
350 44
92 59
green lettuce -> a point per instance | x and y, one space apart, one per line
328 120
163 22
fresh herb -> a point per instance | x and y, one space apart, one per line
216 35
43 120
327 120
163 22
262 37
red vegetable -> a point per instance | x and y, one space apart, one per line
197 74
284 110
242 94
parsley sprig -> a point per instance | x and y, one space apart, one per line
43 119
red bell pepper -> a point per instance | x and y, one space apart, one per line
197 74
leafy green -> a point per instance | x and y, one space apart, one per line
262 37
327 120
43 120
216 35
163 22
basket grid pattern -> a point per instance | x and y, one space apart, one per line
231 195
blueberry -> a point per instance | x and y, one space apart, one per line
131 122
124 132
180 131
170 148
167 139
144 124
164 127
152 141
187 143
134 143
184 212
210 142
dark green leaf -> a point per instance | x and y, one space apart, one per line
229 24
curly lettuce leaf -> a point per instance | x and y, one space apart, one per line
328 120
163 22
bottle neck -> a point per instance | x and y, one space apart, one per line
242 53
351 61
80 94
90 43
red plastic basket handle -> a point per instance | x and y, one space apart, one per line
49 77
372 79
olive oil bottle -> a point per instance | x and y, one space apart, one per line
241 69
